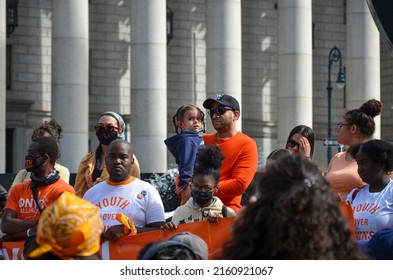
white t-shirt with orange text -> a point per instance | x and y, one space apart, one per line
138 200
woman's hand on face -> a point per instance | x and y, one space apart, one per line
304 147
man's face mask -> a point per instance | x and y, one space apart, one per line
34 162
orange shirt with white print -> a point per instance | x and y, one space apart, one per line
238 167
21 199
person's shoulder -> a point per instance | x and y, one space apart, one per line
88 157
17 188
21 172
209 136
143 184
191 138
59 167
95 188
23 184
245 137
172 138
244 141
340 155
180 209
185 207
64 185
390 185
21 176
98 185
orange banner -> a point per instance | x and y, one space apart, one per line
128 247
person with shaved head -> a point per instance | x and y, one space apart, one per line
127 204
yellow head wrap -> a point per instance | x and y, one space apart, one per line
69 227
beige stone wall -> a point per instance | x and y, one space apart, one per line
29 99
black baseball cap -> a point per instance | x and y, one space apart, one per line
223 99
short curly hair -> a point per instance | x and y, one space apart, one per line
48 146
378 150
52 127
296 216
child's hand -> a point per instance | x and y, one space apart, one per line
186 193
169 226
178 190
212 219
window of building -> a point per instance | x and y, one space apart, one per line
8 68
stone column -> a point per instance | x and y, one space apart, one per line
224 54
294 66
363 80
149 84
3 35
70 68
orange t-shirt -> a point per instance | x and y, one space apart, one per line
21 199
342 175
238 167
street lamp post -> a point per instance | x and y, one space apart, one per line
334 56
11 16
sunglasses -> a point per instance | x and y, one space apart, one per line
205 189
340 125
292 143
219 110
108 128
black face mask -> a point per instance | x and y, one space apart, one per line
106 138
33 162
202 198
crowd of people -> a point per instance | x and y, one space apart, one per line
294 213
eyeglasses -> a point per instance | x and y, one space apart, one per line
205 189
219 110
292 143
340 125
107 128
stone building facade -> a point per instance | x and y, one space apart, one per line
72 60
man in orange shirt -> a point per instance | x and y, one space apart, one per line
240 151
27 200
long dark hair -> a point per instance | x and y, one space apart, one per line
305 131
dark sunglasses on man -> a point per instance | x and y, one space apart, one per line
219 110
